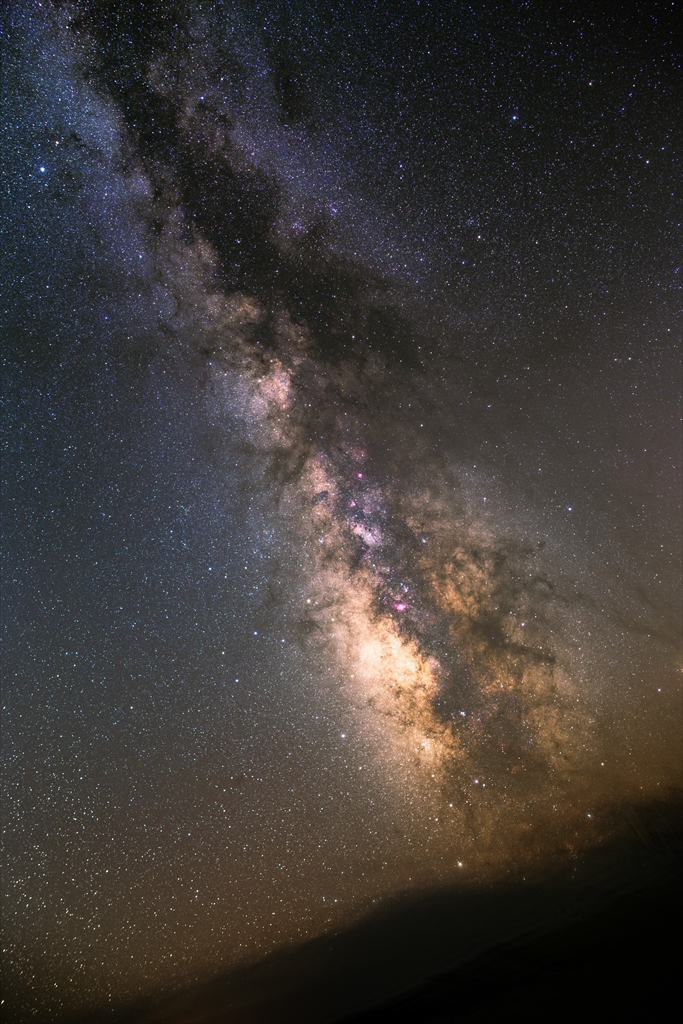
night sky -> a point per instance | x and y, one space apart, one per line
341 472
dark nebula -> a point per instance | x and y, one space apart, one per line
341 502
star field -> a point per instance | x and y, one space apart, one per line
341 473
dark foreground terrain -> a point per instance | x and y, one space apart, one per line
597 941
621 964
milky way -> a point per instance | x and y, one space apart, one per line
342 480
